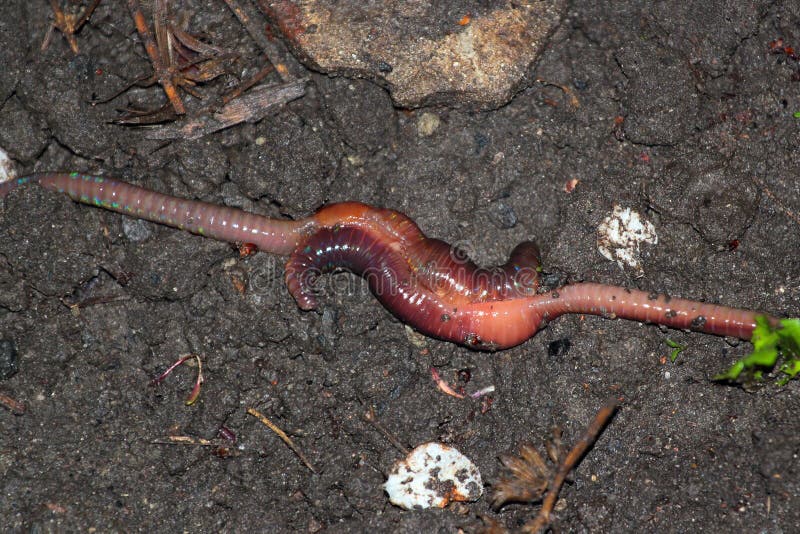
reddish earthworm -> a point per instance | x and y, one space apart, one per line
424 282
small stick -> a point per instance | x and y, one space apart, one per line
150 46
86 14
281 434
247 84
541 521
64 25
286 68
184 440
372 419
92 301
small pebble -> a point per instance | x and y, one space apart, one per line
136 230
503 215
433 475
427 124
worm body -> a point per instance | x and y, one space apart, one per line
202 218
424 282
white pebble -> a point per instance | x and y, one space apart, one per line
433 475
620 235
427 124
7 171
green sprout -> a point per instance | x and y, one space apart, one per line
796 114
677 348
769 342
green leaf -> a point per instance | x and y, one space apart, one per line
769 344
796 115
677 349
732 373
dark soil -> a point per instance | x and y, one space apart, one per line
685 116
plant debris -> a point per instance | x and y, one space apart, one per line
447 389
68 23
372 419
250 107
195 394
284 437
530 475
770 342
179 60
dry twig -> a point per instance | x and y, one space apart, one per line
285 64
184 440
372 419
68 24
160 70
541 521
249 107
281 434
530 475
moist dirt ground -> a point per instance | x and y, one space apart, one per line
678 110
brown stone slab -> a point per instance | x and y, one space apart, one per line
465 53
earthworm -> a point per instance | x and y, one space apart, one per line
424 282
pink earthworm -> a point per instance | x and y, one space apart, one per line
424 282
